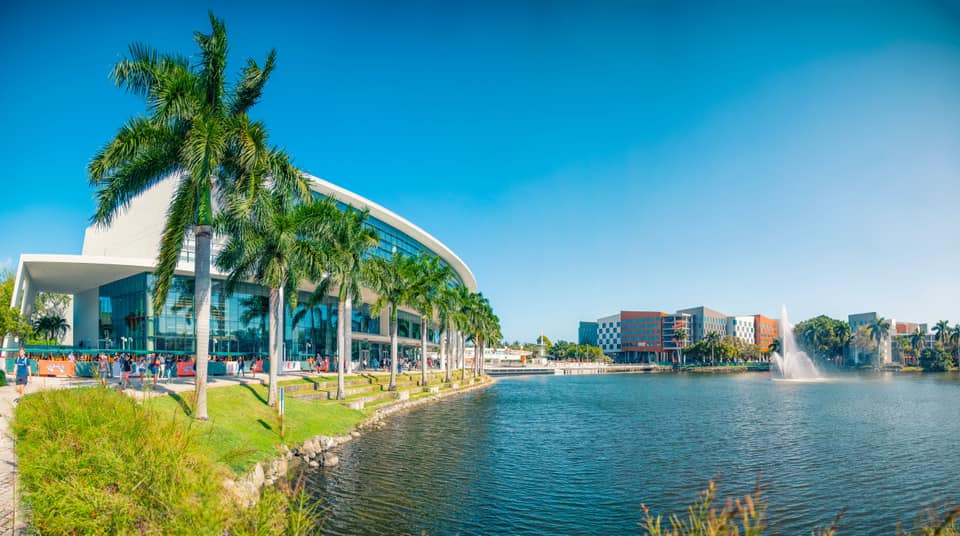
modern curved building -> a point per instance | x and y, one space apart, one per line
111 283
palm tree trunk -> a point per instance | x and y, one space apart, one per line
423 350
476 357
393 348
201 303
348 332
341 351
276 340
461 355
445 351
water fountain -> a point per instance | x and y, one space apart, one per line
794 364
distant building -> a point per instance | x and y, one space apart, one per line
587 334
909 328
608 335
641 337
741 327
885 349
765 331
705 320
672 323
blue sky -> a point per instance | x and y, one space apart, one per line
582 158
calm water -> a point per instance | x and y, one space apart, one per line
579 454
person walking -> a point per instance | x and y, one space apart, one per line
126 365
240 364
103 369
22 371
155 369
169 363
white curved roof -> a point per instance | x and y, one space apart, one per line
136 230
400 223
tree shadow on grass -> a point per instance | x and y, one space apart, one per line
184 404
264 424
255 393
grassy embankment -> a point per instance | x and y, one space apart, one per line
243 430
93 461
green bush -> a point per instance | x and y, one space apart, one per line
93 461
935 360
3 378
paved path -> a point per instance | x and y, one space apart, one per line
12 520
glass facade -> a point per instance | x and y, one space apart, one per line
393 240
239 322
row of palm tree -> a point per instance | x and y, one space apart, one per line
229 181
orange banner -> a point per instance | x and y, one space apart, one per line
56 368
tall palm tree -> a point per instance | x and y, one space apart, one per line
350 240
460 300
942 329
483 326
680 335
197 134
277 242
393 281
713 339
918 340
430 278
879 329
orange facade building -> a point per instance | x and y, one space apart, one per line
765 330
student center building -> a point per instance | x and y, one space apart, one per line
111 283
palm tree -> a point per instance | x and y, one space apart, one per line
430 278
349 242
879 329
392 280
942 330
199 135
53 327
277 242
482 325
680 335
918 340
713 339
776 345
460 300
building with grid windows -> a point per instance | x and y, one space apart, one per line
111 283
608 334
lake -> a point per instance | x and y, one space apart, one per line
580 454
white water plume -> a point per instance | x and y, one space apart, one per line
794 364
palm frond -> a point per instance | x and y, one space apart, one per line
180 216
247 91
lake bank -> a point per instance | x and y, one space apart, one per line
106 430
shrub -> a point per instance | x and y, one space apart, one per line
93 461
935 360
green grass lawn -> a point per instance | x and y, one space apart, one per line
243 429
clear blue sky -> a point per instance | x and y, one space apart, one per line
582 158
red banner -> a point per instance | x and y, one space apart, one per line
185 369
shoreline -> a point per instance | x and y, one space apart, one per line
320 450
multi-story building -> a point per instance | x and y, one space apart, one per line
587 334
608 335
671 324
705 320
742 328
909 328
111 284
765 331
641 337
885 349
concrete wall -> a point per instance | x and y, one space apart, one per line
86 318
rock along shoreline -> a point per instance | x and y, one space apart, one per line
320 451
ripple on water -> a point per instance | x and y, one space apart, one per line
578 455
